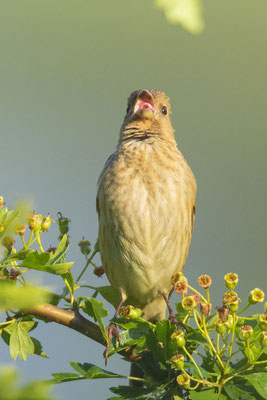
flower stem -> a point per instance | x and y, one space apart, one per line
193 361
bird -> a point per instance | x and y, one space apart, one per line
146 203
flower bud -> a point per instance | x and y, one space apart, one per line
63 224
231 280
183 380
20 229
2 228
264 338
130 312
246 331
181 287
46 222
85 247
220 326
179 276
263 322
8 242
204 281
256 296
178 336
205 308
178 361
189 303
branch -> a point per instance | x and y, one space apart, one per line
71 319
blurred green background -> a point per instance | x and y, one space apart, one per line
66 70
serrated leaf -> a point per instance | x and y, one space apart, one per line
235 393
91 371
41 262
95 309
20 343
259 381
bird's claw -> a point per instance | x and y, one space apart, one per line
111 330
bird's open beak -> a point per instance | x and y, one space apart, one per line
144 105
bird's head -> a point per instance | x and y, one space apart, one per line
149 111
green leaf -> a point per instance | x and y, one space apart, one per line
61 377
163 332
206 394
259 381
236 393
253 351
95 309
130 337
188 13
38 349
130 392
19 255
61 250
22 298
69 282
109 294
91 371
20 342
41 262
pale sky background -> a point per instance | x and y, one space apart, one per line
66 71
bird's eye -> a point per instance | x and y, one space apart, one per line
127 109
164 110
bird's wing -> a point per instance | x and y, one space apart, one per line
107 165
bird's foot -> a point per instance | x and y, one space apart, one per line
99 271
111 330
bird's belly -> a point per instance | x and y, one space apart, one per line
143 240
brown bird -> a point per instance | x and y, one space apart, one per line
146 206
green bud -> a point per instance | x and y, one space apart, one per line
178 336
233 307
46 222
8 242
178 361
35 222
63 224
1 201
183 380
246 331
263 322
220 326
130 312
85 247
256 296
231 280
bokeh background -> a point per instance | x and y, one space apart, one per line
66 70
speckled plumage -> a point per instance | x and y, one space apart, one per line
146 205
